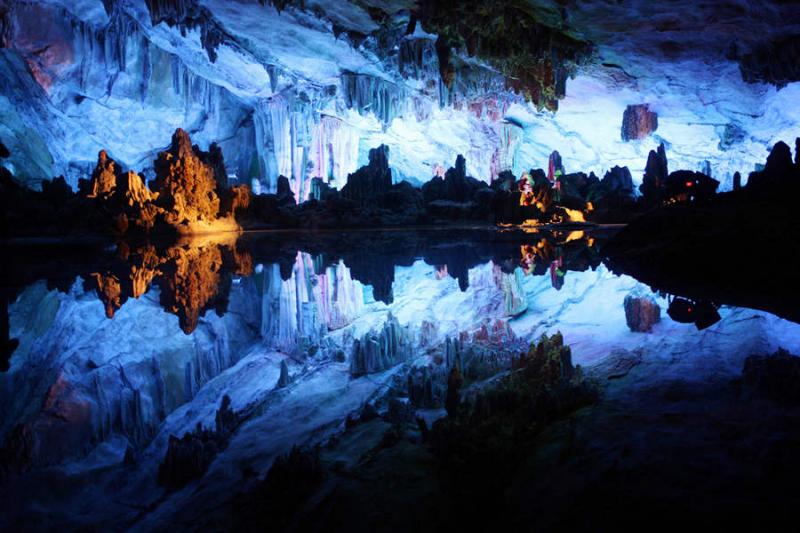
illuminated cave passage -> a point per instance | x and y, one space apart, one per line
399 265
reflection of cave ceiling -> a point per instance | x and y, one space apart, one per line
307 90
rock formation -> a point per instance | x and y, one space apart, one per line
456 186
193 278
779 170
775 61
104 178
797 153
775 376
655 175
377 351
186 185
638 122
618 181
185 197
283 379
641 312
683 185
371 180
188 457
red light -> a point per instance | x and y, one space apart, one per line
689 183
690 309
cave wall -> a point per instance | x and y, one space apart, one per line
307 92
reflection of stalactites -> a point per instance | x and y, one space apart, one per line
242 261
144 270
340 298
109 290
514 301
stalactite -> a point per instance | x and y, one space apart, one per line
371 95
285 127
417 59
340 298
504 156
334 152
297 311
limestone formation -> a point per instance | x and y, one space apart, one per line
618 181
104 178
775 376
655 175
186 185
638 122
185 196
377 351
797 153
371 180
779 170
774 61
456 186
641 312
193 278
283 379
188 457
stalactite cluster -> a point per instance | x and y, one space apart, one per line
536 59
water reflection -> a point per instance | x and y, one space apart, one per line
339 272
193 276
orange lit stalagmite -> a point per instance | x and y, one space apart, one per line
186 184
104 177
186 195
110 292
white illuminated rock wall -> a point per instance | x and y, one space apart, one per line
286 96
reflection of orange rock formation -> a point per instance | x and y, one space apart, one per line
110 292
191 283
144 270
193 275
